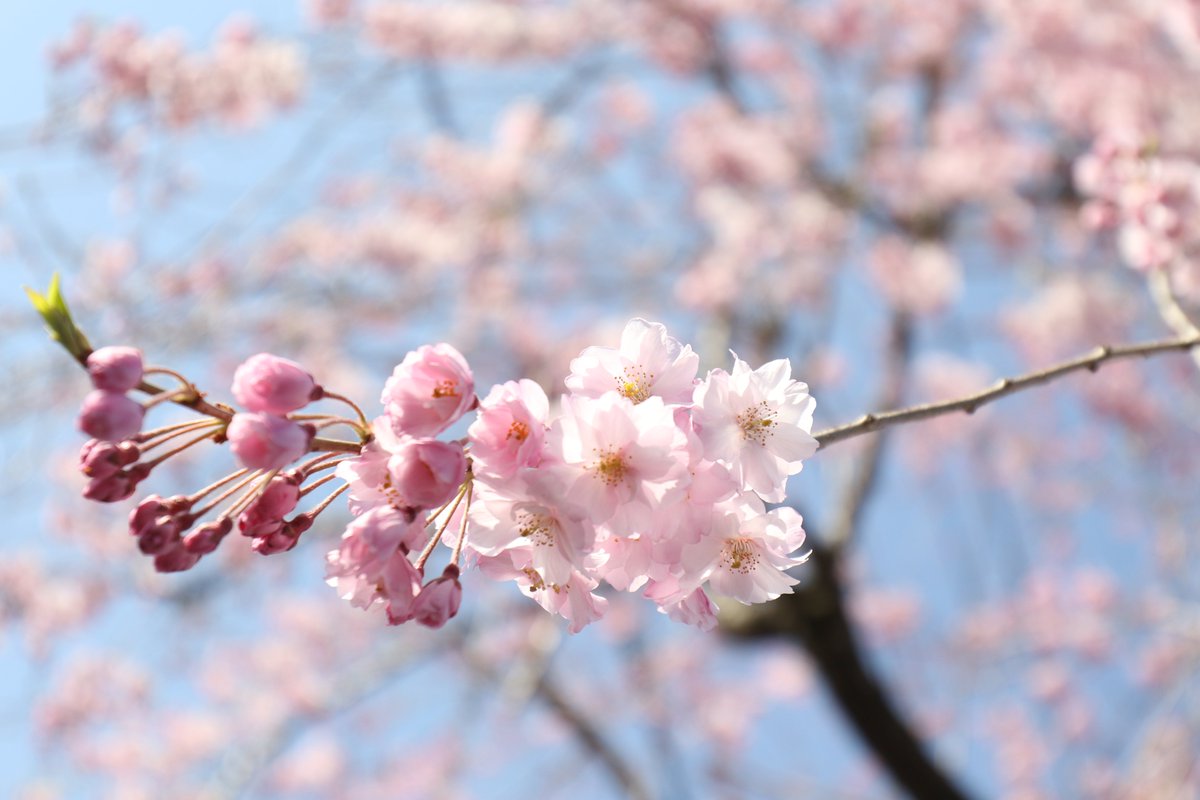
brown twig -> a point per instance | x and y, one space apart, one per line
869 423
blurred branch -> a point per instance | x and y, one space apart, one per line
535 673
1169 309
245 762
562 96
589 735
302 153
437 100
866 472
1091 362
815 618
44 223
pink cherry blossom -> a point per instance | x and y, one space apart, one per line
510 429
620 458
649 362
273 385
115 369
430 389
531 514
757 422
696 609
746 552
267 442
110 416
371 563
426 472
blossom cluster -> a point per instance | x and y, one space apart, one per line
243 80
1148 200
642 477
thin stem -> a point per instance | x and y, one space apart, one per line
331 421
312 462
325 503
165 371
462 534
250 495
180 449
444 506
315 484
361 416
1091 362
180 431
221 498
322 467
168 395
1172 313
428 551
218 484
146 436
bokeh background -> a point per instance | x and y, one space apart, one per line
907 198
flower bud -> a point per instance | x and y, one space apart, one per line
144 516
177 559
278 542
438 600
401 581
115 369
160 536
267 442
99 459
207 537
110 416
273 385
264 516
427 472
110 489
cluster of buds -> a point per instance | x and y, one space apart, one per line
265 439
644 477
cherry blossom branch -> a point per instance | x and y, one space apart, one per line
869 423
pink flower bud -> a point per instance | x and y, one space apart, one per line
160 536
99 459
264 516
427 472
278 542
273 385
177 559
439 599
147 511
110 416
110 489
208 536
428 391
115 369
267 442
